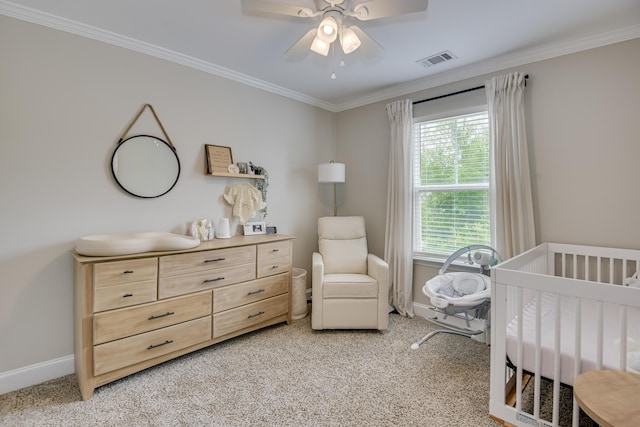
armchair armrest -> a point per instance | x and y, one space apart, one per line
378 269
317 270
317 281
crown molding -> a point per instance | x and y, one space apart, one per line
445 77
83 30
497 64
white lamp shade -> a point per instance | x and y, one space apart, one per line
320 47
331 172
349 40
328 30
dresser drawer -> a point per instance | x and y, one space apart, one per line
273 266
129 351
125 322
270 251
173 265
117 296
239 318
208 279
127 271
246 293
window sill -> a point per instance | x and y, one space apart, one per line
437 263
429 261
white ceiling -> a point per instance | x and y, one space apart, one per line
215 36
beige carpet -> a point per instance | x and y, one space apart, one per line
284 376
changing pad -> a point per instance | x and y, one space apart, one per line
133 243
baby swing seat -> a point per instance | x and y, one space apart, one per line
461 300
458 292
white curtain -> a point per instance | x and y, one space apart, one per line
398 251
510 182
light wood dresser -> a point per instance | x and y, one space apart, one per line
135 311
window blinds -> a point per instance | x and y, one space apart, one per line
451 184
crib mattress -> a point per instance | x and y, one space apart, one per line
611 337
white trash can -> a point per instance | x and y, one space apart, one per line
299 293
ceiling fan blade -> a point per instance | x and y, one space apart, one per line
369 48
276 8
301 48
376 9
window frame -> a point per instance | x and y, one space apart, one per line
432 259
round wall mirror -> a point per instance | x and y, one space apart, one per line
145 166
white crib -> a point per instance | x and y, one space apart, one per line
577 316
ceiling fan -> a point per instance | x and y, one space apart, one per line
335 16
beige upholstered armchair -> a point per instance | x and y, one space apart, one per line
349 285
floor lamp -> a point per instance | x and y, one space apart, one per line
332 173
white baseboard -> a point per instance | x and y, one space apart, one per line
420 309
36 373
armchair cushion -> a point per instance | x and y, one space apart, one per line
342 241
349 286
344 256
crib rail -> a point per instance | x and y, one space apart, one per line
550 281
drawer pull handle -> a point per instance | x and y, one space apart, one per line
255 315
255 292
128 272
275 250
168 313
274 267
215 260
213 280
152 346
127 295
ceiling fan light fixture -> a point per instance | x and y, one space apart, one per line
320 47
328 29
349 40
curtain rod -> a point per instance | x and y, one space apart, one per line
457 93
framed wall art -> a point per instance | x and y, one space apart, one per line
218 158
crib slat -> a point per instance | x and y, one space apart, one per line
623 338
611 270
556 363
538 356
600 334
538 363
520 350
577 360
586 267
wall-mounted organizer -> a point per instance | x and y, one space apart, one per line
236 175
219 162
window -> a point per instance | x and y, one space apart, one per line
451 184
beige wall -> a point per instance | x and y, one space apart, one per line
65 100
582 113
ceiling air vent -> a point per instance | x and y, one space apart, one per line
436 59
